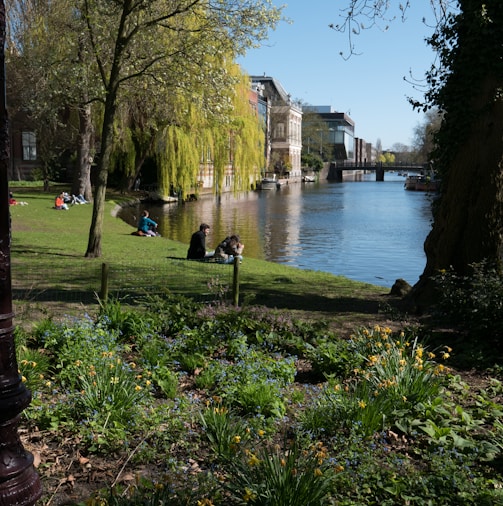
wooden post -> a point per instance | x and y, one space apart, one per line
104 282
235 282
19 482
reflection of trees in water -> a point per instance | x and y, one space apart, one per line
362 230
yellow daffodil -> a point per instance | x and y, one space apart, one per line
249 495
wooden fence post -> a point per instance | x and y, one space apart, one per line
104 282
235 282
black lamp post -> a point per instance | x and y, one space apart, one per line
19 482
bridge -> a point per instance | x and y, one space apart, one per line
336 169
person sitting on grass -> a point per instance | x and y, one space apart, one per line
146 226
59 203
197 247
228 249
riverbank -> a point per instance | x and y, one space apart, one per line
44 239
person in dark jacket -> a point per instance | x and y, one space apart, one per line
197 248
230 248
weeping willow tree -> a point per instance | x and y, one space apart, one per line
230 143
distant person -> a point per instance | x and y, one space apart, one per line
79 199
59 202
147 226
229 249
197 247
137 183
14 202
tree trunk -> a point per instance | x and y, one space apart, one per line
468 224
82 179
96 230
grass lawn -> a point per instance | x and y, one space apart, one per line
48 248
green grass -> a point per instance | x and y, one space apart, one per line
51 246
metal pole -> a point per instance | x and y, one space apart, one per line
19 482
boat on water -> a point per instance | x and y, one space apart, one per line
308 179
269 183
421 182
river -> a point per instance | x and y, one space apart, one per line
365 230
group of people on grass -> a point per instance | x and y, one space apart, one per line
64 200
229 249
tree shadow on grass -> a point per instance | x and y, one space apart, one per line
317 302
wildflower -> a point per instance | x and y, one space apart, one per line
114 380
78 363
261 432
337 388
237 439
249 495
23 379
253 460
148 383
445 355
205 502
318 472
132 365
137 388
282 462
48 383
362 404
339 468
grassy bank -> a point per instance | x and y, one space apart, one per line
54 243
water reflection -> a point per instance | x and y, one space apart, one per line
367 231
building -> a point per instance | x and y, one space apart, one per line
284 128
336 140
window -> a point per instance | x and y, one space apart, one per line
29 140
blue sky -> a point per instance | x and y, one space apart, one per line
304 57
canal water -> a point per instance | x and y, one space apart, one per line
365 230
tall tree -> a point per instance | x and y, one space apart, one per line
52 80
160 42
468 217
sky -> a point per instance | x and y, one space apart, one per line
304 56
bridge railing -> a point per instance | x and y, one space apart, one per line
344 164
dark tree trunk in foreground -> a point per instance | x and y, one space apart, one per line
468 226
468 219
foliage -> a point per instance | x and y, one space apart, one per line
474 300
387 413
280 477
394 377
226 432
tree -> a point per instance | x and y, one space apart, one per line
424 135
315 135
162 45
468 216
51 79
